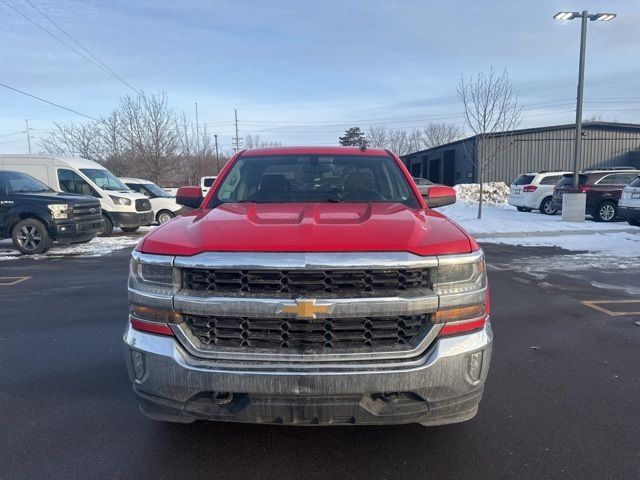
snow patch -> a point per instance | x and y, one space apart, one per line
502 218
97 247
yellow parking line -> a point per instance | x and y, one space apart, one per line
597 305
8 281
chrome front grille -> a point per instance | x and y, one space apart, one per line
348 282
317 335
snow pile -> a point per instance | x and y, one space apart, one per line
97 247
494 192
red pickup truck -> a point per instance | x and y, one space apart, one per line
312 286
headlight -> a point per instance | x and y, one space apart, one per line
153 274
59 210
120 200
460 274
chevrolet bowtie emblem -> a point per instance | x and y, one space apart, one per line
305 308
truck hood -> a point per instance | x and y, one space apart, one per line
309 227
54 197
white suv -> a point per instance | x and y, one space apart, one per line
163 204
629 204
533 191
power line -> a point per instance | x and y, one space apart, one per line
49 102
97 63
114 74
11 134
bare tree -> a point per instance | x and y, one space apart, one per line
404 141
72 139
436 134
377 136
255 141
491 111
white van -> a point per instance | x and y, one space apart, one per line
206 183
121 207
163 204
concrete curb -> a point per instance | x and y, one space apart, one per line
551 233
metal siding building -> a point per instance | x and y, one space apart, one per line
547 148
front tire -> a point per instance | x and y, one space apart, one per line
107 229
164 216
30 236
546 208
523 209
606 212
129 229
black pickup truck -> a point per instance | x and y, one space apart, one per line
33 215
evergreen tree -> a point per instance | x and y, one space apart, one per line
353 137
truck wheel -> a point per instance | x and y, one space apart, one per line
129 229
523 209
108 227
606 212
30 236
164 216
546 207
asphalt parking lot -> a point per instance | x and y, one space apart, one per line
562 399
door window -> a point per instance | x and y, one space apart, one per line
607 180
550 180
625 178
71 182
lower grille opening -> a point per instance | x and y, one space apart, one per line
299 336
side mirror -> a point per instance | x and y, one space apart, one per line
190 197
439 196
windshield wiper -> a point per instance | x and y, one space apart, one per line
333 200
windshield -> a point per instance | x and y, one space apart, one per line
21 183
156 190
300 179
104 179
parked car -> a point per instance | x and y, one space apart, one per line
34 215
121 207
423 184
534 191
346 300
629 204
206 183
163 204
603 188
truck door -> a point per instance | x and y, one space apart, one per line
5 204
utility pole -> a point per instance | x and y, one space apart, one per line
236 139
197 129
26 122
215 137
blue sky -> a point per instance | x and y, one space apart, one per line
301 72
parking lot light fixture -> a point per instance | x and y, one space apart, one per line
578 207
566 15
602 17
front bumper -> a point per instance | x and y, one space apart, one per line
70 231
433 389
629 213
132 219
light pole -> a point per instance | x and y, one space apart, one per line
576 203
